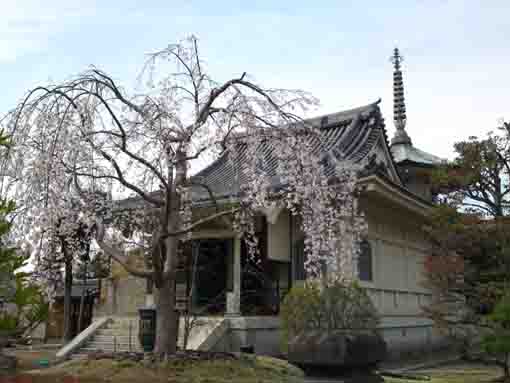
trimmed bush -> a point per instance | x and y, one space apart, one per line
334 307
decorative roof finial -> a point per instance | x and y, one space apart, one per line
399 106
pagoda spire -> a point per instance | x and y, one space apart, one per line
399 105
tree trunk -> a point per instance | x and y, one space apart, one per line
68 286
167 318
82 301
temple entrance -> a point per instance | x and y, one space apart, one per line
208 275
203 276
264 282
211 257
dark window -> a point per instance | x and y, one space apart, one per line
298 260
365 261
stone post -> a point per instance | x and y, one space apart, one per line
234 297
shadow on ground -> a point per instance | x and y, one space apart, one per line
345 375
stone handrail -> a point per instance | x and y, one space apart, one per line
80 339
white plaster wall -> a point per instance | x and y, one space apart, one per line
278 238
399 249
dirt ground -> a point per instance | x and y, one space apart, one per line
30 359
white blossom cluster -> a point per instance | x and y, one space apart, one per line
284 168
88 155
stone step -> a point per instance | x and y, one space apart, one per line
110 333
122 329
78 356
122 325
110 349
110 344
119 338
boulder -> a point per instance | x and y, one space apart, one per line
7 362
337 348
364 349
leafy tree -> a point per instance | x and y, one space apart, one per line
470 232
83 145
69 243
24 303
476 181
497 342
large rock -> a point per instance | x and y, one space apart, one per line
338 348
7 362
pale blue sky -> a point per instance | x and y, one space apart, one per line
456 52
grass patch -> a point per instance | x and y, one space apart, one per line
247 369
455 374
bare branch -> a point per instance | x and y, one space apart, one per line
195 224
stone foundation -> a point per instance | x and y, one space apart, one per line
403 337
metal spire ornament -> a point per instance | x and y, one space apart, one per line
399 106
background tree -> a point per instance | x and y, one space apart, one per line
497 342
476 181
23 300
86 143
68 245
470 232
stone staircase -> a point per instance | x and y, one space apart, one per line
121 335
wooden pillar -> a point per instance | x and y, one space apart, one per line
195 254
234 296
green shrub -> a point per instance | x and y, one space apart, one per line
299 310
336 306
497 342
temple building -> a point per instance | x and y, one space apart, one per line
239 299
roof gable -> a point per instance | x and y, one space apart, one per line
355 135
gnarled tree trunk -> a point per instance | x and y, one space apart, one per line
167 319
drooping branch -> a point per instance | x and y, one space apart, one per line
199 222
119 256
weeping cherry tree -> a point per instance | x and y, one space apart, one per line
85 144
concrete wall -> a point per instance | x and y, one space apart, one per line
404 336
261 332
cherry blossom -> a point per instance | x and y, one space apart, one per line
90 155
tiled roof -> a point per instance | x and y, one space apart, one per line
408 153
348 135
